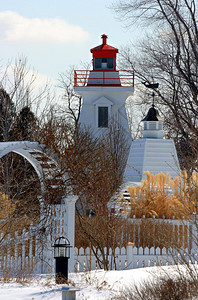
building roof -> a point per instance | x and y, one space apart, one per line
104 46
153 115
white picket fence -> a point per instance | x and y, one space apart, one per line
32 250
131 258
121 259
25 251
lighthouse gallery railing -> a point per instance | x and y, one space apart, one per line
126 77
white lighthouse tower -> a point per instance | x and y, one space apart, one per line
104 91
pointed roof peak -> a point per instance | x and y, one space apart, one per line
104 45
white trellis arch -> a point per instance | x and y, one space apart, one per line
46 167
43 164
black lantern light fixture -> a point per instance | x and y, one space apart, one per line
61 255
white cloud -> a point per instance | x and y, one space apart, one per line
18 28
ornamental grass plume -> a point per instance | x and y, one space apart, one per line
193 189
160 196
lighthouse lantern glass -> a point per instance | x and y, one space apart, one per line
101 63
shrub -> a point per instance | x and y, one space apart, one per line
164 288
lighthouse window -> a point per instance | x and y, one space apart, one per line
104 63
103 116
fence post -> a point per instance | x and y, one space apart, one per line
130 246
194 234
69 226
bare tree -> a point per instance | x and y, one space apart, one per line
23 112
95 169
21 95
95 166
169 57
72 101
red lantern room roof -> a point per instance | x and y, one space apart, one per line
101 49
106 53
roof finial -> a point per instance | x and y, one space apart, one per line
153 95
104 39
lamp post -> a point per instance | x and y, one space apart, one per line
61 255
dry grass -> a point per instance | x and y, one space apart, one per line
153 197
164 288
92 280
17 274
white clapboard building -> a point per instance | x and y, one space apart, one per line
151 153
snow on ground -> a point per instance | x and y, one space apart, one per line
102 285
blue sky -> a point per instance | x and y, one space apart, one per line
56 34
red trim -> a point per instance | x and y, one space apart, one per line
126 78
104 84
104 54
103 48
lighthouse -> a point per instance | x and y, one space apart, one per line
104 90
